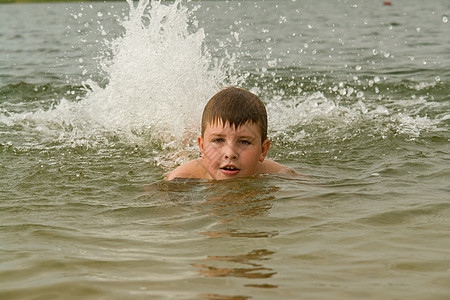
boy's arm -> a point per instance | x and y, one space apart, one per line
271 166
191 169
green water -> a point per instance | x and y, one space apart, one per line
94 110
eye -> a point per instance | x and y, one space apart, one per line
217 140
245 142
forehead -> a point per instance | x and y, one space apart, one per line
219 128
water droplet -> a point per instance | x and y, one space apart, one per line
445 19
363 107
358 68
272 63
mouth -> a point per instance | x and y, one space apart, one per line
230 170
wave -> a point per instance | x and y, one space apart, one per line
159 72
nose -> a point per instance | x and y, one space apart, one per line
230 153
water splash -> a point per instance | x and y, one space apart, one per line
306 118
159 76
159 73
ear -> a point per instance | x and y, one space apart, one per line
200 144
264 149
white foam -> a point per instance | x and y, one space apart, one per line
160 74
297 117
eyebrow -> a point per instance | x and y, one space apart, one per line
248 137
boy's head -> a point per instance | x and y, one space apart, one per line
236 107
234 134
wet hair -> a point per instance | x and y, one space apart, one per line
235 106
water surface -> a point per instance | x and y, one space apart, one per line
98 101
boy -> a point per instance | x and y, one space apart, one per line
233 141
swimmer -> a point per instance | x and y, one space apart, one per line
233 141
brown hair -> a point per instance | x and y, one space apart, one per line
235 106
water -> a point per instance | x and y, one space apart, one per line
98 101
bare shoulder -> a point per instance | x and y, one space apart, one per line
190 169
270 167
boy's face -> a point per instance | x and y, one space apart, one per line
231 152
